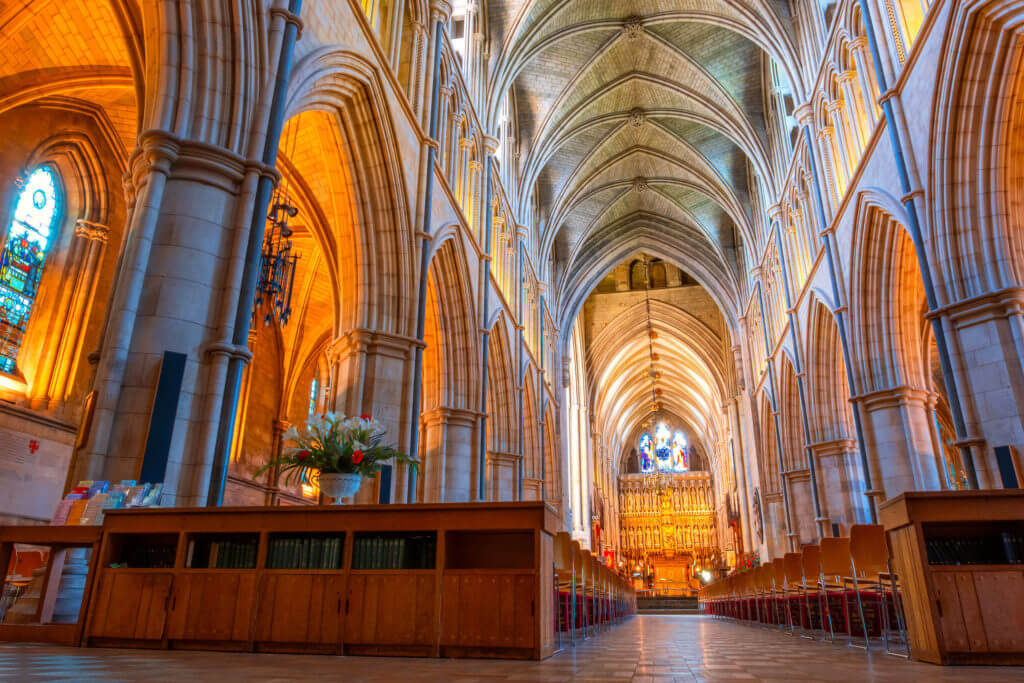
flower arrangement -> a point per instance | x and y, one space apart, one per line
748 561
335 444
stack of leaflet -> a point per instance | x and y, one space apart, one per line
87 502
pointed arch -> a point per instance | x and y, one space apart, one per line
349 90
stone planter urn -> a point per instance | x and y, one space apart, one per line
338 485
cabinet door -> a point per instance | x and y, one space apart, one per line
391 609
212 606
131 606
1000 598
300 608
951 618
488 610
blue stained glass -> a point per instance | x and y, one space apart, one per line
662 451
646 454
22 260
314 395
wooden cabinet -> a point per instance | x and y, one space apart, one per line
958 610
474 603
213 606
356 579
391 612
131 606
300 611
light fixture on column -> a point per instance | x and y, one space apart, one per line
277 261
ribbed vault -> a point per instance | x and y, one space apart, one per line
692 371
641 115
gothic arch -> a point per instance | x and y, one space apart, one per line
830 416
346 88
978 166
887 303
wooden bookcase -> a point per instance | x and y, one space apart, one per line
454 580
958 556
41 627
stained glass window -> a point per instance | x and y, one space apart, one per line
646 454
665 452
680 463
22 260
314 395
662 452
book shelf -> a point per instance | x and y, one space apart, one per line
456 580
50 605
959 558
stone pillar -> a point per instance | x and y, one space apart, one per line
166 298
986 337
842 141
502 469
898 432
449 470
369 373
841 488
63 346
858 48
276 447
851 97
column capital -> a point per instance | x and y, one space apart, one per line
804 114
490 144
440 10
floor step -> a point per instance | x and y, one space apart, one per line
656 612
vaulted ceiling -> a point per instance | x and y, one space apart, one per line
640 124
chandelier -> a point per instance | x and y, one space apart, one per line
277 265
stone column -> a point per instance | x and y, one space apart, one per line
448 469
843 143
858 49
851 97
63 347
370 375
897 428
276 447
166 298
986 336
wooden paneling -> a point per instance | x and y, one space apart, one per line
917 602
951 617
391 608
301 608
212 605
131 605
973 619
999 596
473 604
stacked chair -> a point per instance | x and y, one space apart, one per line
588 595
841 590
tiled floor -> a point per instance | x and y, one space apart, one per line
645 648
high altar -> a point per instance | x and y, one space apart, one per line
668 526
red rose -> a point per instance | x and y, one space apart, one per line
357 457
366 417
303 455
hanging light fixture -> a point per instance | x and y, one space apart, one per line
277 261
